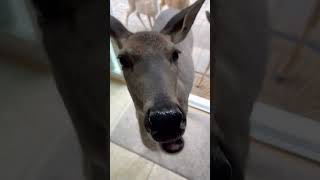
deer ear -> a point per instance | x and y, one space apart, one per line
118 31
208 15
179 25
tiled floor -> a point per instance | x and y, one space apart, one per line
201 51
126 165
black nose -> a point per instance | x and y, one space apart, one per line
165 123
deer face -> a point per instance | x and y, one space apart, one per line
150 67
150 63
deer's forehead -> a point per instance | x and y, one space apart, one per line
144 42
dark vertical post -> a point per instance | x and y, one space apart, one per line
74 34
240 48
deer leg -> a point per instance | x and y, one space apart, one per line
284 69
132 8
162 3
154 19
127 18
130 11
205 72
138 15
150 23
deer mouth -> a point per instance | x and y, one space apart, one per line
165 137
174 146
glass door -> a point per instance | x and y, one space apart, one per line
115 68
288 112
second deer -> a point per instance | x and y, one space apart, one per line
146 7
175 4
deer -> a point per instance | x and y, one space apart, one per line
158 69
147 7
176 4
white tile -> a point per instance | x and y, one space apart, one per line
119 100
125 165
160 173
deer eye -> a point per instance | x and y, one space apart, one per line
125 60
175 55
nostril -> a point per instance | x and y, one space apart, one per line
154 133
183 124
165 120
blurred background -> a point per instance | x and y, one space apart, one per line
36 135
285 119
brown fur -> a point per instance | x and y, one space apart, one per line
176 4
144 43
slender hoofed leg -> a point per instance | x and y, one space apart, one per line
138 15
205 72
132 8
150 23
